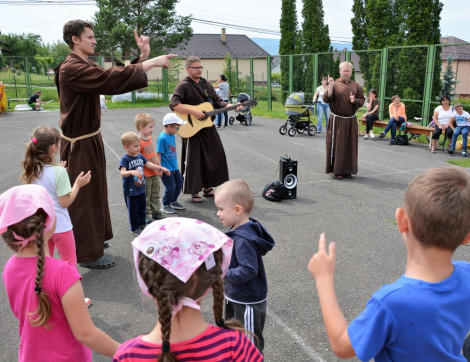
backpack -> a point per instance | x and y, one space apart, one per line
275 191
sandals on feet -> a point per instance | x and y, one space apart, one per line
433 150
347 175
338 177
196 198
102 263
208 193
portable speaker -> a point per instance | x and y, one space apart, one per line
288 176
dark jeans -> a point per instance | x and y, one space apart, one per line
173 185
219 117
392 125
136 210
370 122
437 133
252 316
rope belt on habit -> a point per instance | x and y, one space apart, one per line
73 140
333 134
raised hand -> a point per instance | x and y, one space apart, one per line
330 80
323 264
143 44
83 178
352 97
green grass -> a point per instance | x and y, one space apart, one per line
462 162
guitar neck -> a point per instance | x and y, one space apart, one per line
221 110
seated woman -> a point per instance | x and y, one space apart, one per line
372 114
441 117
397 118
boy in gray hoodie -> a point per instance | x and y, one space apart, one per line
246 287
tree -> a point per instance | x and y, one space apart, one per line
288 26
316 38
22 46
449 80
115 21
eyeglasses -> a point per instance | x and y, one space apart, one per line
175 127
197 68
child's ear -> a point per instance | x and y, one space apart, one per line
466 240
239 209
402 220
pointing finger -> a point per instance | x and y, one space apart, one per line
322 243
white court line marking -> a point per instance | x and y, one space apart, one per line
307 349
114 152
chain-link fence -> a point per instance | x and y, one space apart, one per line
414 73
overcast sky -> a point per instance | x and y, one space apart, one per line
262 14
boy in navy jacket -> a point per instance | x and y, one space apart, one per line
246 287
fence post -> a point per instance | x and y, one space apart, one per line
252 79
315 71
238 82
27 75
291 73
268 84
165 85
347 56
383 81
229 63
428 80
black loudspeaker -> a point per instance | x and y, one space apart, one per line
288 176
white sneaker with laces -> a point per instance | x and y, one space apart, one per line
372 135
366 137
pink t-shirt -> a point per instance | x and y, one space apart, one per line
38 343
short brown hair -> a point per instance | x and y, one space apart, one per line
128 137
437 202
190 60
75 28
239 192
142 120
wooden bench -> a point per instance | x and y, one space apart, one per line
426 131
16 100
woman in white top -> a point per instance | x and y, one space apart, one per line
442 116
322 107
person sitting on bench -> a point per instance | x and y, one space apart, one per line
397 118
35 101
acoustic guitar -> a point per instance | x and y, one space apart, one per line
194 125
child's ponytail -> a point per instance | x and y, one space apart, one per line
34 224
37 152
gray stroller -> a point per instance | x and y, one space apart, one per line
299 116
244 115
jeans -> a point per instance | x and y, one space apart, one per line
392 124
173 185
136 210
219 117
460 130
322 109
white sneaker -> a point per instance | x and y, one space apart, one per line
366 137
372 135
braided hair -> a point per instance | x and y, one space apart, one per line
167 290
33 225
37 152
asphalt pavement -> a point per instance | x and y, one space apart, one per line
357 213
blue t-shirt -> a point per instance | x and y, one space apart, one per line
462 119
166 145
413 320
133 186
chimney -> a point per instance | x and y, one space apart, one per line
445 40
223 36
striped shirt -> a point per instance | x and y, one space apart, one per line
214 344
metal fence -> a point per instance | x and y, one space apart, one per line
414 73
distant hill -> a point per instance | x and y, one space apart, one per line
272 45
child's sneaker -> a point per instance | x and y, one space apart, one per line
136 232
158 215
450 151
177 206
168 209
464 154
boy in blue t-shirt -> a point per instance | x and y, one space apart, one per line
461 118
166 154
423 316
133 180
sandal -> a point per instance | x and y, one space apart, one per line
196 198
347 175
433 150
207 193
102 263
338 177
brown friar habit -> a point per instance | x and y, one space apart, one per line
203 161
341 137
80 83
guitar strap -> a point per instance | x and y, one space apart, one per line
209 99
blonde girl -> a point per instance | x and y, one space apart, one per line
39 168
44 293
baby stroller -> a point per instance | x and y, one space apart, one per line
296 110
244 115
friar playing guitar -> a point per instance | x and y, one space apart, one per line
194 125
